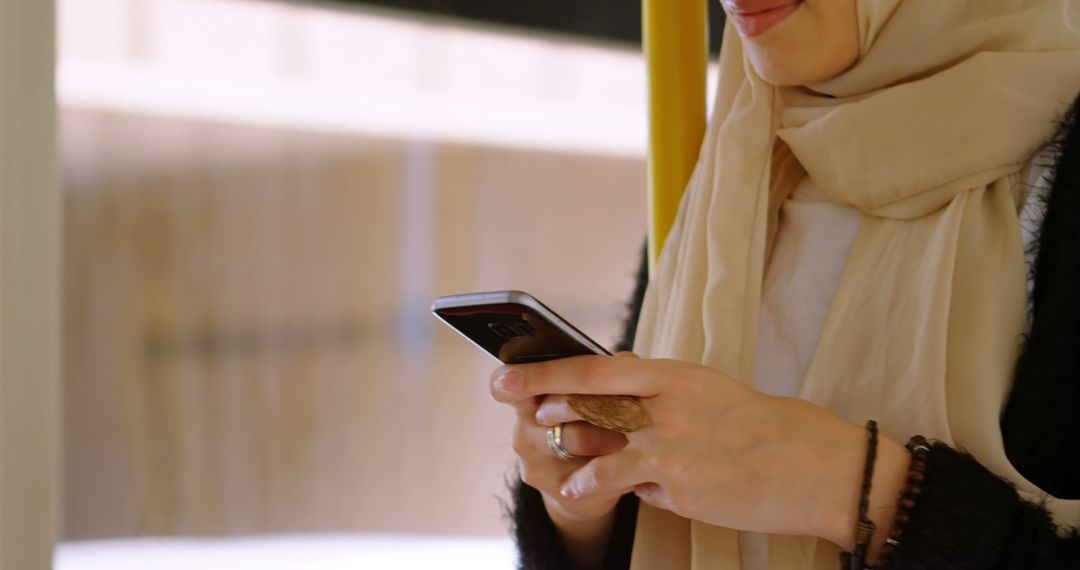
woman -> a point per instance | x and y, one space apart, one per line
850 248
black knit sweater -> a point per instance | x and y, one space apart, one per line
967 517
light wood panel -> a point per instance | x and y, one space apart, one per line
248 346
29 286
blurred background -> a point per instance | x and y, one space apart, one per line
262 199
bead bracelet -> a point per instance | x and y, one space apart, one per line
916 475
919 448
864 527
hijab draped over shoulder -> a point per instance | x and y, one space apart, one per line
928 135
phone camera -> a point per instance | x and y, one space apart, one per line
511 330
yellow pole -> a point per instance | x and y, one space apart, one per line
676 51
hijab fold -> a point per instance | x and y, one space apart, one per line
928 135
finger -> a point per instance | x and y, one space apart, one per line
586 440
555 410
515 398
530 444
578 375
526 407
605 474
573 509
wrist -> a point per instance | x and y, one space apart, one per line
890 471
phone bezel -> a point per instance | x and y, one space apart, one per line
512 297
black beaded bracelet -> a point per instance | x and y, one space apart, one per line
916 475
864 527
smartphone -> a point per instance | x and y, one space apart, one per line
513 327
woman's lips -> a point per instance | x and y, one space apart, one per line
750 22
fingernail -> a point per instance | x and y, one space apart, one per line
568 490
509 381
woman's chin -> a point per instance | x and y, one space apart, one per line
814 43
785 67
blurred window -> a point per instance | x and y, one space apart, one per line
261 201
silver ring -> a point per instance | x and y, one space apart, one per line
554 443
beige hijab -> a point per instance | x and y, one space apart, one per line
928 135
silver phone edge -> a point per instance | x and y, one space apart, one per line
517 297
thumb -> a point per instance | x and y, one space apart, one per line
653 494
605 474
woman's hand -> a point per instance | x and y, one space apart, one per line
717 451
541 470
584 523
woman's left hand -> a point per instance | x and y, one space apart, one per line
718 451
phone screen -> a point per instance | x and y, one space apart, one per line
514 333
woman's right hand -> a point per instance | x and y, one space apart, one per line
584 524
546 473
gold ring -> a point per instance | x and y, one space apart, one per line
624 414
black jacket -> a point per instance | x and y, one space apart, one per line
967 517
